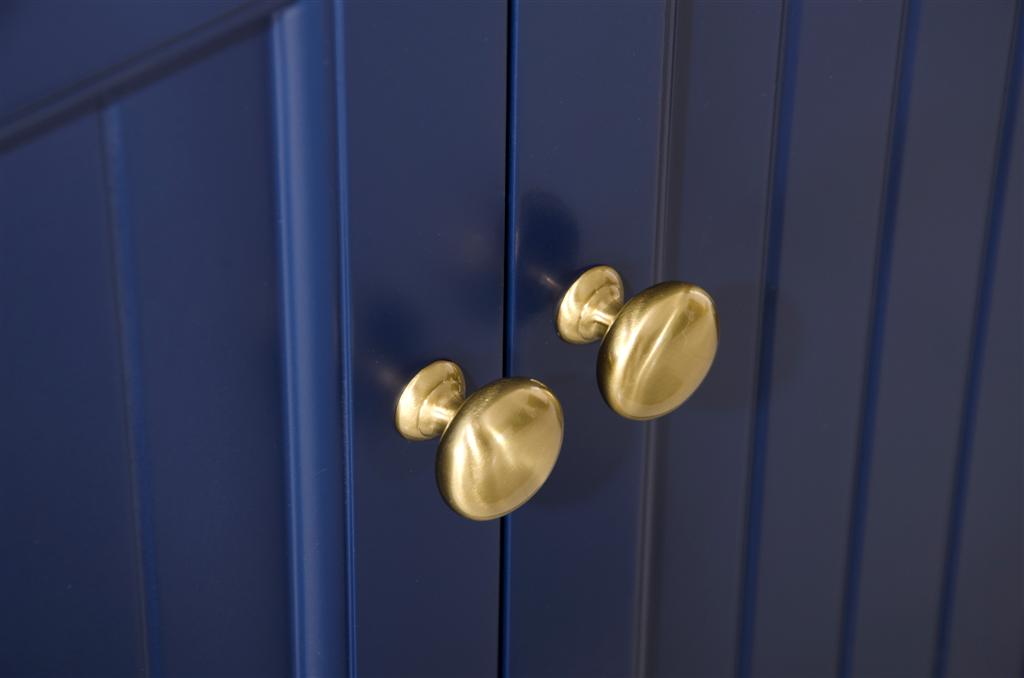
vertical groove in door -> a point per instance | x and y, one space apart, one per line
667 180
571 216
345 320
508 347
128 325
313 326
784 89
994 223
421 111
883 264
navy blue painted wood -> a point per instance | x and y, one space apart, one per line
423 100
844 168
720 140
959 54
308 251
986 629
51 48
584 191
194 183
840 97
70 601
237 375
212 290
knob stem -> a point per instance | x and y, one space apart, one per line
430 401
600 312
439 408
589 307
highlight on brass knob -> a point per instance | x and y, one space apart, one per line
497 447
657 347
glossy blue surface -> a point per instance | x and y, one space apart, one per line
29 30
225 319
586 188
827 226
939 218
983 627
825 170
196 187
424 100
58 56
309 195
720 145
230 231
70 574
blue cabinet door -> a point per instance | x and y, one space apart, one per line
230 230
226 237
843 494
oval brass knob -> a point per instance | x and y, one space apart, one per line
497 447
657 347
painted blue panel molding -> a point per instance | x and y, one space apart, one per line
197 152
308 203
54 52
70 581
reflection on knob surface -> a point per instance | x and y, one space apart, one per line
657 347
497 446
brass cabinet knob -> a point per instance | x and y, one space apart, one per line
657 347
497 447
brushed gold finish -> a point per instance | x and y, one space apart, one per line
590 305
497 446
657 347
